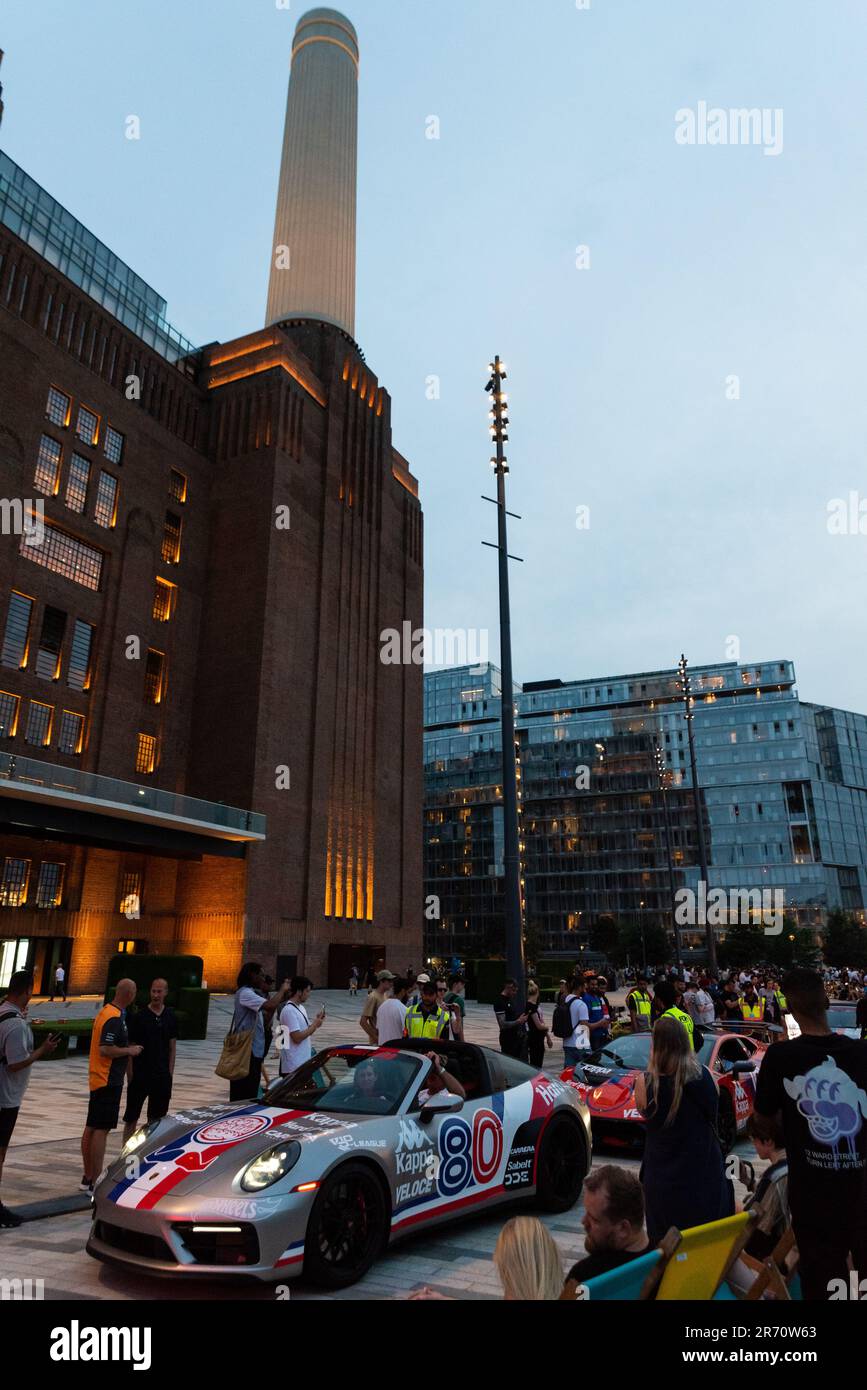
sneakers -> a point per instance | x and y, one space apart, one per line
85 1185
8 1219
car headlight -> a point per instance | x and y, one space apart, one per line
270 1166
139 1139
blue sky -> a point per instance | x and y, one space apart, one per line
708 516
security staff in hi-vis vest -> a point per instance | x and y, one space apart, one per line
752 1008
426 1019
639 1004
667 995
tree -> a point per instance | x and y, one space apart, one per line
744 945
794 946
605 936
656 946
844 941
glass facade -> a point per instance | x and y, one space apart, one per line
783 792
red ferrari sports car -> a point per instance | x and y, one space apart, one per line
606 1080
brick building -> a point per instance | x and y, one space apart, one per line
200 750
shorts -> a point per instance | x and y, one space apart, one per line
7 1124
103 1107
157 1093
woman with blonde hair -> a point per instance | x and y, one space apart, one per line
537 1029
528 1261
683 1170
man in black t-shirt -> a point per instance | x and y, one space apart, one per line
613 1224
149 1076
818 1083
512 1025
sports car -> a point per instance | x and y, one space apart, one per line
352 1152
606 1081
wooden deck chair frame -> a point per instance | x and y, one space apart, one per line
734 1253
774 1272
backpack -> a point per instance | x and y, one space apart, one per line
10 1013
561 1024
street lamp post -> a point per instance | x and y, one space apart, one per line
662 781
514 923
686 691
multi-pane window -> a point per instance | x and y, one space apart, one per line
71 738
130 894
9 705
78 671
50 641
63 554
15 641
178 486
87 426
146 753
13 889
57 407
49 889
39 719
155 676
171 550
76 483
105 511
113 445
164 600
47 473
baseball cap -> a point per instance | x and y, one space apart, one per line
422 979
385 975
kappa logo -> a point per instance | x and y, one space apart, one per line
411 1137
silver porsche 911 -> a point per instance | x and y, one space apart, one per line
358 1148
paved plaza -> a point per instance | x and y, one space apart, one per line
43 1169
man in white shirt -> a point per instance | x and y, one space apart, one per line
577 1045
391 1014
296 1030
59 986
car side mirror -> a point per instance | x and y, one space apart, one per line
739 1068
443 1104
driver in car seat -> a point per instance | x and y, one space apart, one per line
438 1079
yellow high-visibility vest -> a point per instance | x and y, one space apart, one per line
418 1025
675 1012
752 1011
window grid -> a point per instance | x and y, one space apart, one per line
47 475
76 483
130 894
146 754
87 426
78 670
64 555
71 738
16 640
13 890
9 708
49 889
113 445
39 720
47 664
178 486
105 511
165 595
57 408
171 549
155 669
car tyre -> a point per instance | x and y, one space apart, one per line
561 1165
348 1227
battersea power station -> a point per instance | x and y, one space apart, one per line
201 751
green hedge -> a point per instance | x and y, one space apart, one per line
184 975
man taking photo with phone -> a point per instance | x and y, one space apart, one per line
17 1056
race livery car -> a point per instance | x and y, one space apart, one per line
606 1081
334 1163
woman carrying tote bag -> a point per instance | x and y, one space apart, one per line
244 1046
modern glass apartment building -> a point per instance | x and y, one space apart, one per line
783 788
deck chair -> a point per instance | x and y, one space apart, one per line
636 1281
703 1258
778 1273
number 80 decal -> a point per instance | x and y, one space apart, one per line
468 1155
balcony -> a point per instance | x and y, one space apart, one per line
32 781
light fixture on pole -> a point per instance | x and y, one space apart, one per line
513 888
685 685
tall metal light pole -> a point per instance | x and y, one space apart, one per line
662 782
514 920
686 691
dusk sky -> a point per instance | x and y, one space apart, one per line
708 515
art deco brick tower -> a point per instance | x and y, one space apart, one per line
313 265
